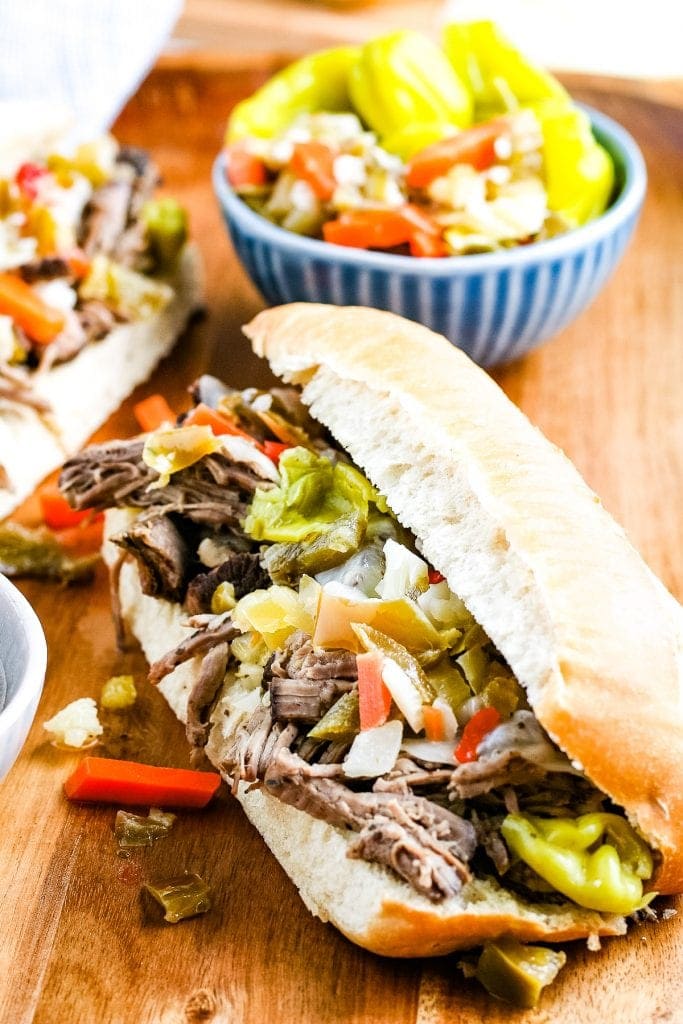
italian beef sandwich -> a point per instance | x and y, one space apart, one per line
415 644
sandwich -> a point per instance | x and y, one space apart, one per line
441 682
97 281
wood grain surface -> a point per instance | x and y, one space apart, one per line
77 944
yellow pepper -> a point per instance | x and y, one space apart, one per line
595 860
316 82
403 78
499 76
413 138
579 173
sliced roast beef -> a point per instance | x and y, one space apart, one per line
162 556
242 569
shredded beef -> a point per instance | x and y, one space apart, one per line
298 659
242 569
214 491
201 641
105 217
478 777
15 387
425 844
305 681
305 700
161 554
46 268
203 693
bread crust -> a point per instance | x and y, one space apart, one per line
85 391
587 628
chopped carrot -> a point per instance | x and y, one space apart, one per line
244 168
78 263
474 146
24 305
368 229
427 245
435 725
104 780
204 416
84 538
152 412
57 512
374 699
313 162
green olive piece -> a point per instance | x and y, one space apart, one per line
516 973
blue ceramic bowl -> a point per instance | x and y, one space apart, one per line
495 306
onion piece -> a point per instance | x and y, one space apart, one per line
436 751
374 752
404 693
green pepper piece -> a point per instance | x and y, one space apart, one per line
135 830
404 78
579 172
181 897
475 664
576 857
449 684
286 562
516 973
37 552
341 722
373 640
166 223
318 81
499 76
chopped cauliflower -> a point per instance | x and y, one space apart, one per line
76 725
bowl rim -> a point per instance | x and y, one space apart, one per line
33 678
618 140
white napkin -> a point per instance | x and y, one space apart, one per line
86 55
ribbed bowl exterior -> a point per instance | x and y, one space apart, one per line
495 306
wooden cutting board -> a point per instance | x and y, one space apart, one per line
76 942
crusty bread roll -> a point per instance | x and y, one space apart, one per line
82 393
585 626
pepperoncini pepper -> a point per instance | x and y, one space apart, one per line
405 79
579 172
316 82
499 76
595 860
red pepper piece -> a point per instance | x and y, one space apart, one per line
479 725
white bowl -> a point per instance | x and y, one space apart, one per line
23 656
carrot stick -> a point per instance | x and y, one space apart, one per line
104 780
